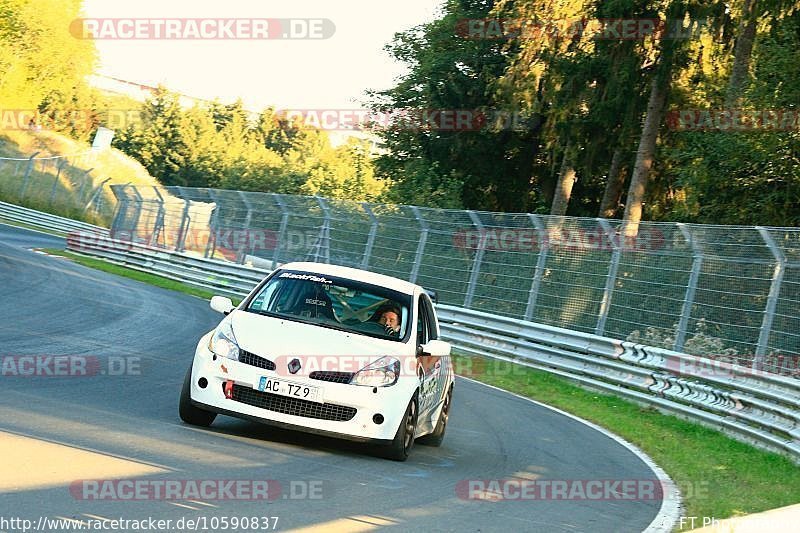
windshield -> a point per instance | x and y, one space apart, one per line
334 302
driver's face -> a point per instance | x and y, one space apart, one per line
390 319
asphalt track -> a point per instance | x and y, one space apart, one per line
61 429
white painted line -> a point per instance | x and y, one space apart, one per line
176 504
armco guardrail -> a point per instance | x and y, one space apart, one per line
750 405
223 277
46 221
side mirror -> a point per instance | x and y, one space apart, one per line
221 304
435 348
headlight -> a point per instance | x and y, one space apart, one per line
223 343
381 373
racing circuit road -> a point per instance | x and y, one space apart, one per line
56 430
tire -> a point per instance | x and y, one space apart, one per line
436 438
188 412
403 441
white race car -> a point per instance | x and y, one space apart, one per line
330 350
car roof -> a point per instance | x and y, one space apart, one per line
356 274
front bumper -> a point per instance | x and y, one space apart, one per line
390 402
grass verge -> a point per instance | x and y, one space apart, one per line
718 476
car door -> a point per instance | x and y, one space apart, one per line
432 370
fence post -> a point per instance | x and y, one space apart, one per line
611 279
27 176
61 164
691 286
324 234
158 225
245 244
476 263
138 214
213 229
94 195
541 261
423 238
281 230
772 297
184 227
373 230
84 179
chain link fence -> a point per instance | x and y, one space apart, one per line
725 292
57 184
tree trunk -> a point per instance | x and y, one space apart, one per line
742 52
614 184
646 151
566 179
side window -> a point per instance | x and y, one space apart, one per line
423 323
429 317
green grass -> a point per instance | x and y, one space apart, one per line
718 476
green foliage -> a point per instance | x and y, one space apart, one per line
38 55
481 167
224 146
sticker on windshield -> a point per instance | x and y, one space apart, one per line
305 277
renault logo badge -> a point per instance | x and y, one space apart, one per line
294 366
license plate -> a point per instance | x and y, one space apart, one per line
290 388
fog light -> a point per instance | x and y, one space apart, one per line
202 383
377 418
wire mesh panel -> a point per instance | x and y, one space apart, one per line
703 289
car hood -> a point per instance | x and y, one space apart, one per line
274 337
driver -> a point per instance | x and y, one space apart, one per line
390 319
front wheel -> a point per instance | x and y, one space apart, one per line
188 412
403 441
436 438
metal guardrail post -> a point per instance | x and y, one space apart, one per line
324 239
27 176
541 261
423 238
772 297
476 263
691 286
245 244
613 267
281 230
373 231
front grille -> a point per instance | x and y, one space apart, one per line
333 377
293 406
252 359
